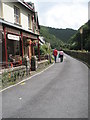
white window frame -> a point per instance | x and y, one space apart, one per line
16 15
29 21
0 8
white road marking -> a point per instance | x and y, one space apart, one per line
23 83
26 79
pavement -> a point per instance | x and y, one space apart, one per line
59 92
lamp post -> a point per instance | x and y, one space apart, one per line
81 32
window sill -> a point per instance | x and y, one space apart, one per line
18 24
1 18
29 29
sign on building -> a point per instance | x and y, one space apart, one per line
13 37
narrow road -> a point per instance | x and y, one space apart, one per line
59 92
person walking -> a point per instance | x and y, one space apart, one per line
61 55
55 52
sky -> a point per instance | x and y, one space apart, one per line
62 13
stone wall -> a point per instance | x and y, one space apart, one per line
42 64
13 75
8 76
83 56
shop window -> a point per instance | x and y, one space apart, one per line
13 47
16 15
25 44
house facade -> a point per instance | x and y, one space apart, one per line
19 28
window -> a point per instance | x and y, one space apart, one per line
29 22
16 15
13 47
0 8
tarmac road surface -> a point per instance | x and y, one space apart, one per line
59 92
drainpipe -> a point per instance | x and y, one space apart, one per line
38 50
22 43
33 23
30 50
5 46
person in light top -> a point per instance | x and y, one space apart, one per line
61 55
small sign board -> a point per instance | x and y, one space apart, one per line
13 37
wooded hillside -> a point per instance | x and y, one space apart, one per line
57 37
78 39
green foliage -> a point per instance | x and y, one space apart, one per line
47 50
87 44
56 37
67 38
43 50
63 34
85 38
